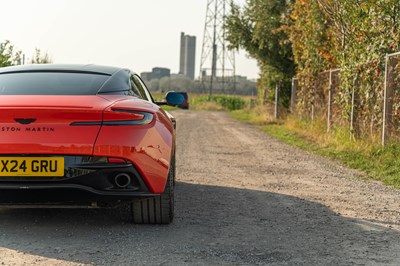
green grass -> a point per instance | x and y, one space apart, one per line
169 108
217 102
256 116
289 137
365 155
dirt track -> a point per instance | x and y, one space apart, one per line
242 198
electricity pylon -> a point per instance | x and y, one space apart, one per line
217 64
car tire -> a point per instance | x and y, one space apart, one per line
157 210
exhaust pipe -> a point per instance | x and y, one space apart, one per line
122 180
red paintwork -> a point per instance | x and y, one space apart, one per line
148 147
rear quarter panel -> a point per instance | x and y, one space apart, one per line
148 147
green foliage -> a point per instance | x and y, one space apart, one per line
227 102
258 28
319 35
311 44
351 35
39 58
8 56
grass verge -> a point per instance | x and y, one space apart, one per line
365 155
169 108
217 102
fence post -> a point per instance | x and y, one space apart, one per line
352 109
313 103
385 122
277 101
293 100
328 119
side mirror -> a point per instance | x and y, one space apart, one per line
174 98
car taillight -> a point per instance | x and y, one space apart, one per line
119 117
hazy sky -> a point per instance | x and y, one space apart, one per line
128 33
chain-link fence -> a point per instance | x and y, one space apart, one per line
334 112
391 110
367 105
320 104
302 103
320 94
371 107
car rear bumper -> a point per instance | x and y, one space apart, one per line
64 195
84 182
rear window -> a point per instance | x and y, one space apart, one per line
51 83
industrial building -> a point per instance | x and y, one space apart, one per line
187 55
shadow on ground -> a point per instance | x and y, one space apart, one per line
213 225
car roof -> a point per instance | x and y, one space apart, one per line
107 70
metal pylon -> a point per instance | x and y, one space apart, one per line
217 64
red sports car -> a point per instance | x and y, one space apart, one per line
86 135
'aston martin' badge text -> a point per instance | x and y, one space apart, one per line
27 129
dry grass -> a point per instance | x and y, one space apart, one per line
259 115
207 106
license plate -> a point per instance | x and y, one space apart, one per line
31 166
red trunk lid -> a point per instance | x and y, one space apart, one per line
42 124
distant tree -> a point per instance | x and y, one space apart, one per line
8 56
258 27
246 87
165 84
38 58
153 84
182 83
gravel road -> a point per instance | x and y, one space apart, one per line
242 198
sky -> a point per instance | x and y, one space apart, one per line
135 34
